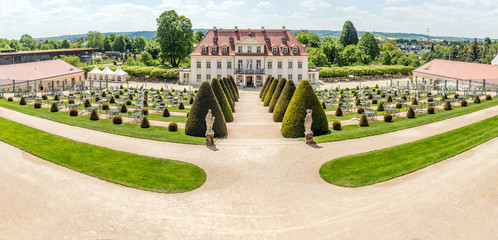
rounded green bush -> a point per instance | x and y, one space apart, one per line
447 106
54 108
357 102
293 123
430 99
10 99
388 118
463 103
389 99
431 110
338 112
276 94
37 105
363 121
44 97
173 127
196 120
380 107
374 101
336 125
283 101
145 112
117 120
130 97
488 97
399 105
410 113
22 101
166 112
105 106
456 96
360 110
97 99
270 93
73 113
222 100
128 102
370 96
123 109
414 101
477 100
71 101
145 123
94 116
56 98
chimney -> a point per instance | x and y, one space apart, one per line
262 29
214 29
236 28
283 28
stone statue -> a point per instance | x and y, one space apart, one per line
307 122
209 123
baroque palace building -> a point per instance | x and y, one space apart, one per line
249 56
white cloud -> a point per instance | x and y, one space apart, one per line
315 4
54 2
396 1
264 4
347 9
170 4
225 5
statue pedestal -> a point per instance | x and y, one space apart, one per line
309 138
209 140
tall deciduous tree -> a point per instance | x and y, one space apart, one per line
107 44
175 37
349 36
139 44
95 40
369 45
65 44
198 36
28 42
119 44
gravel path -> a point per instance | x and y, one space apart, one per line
259 186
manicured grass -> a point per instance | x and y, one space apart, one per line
105 125
380 127
147 173
171 118
382 165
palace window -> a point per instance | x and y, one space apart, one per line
240 65
229 65
258 50
299 77
249 50
213 50
258 64
240 49
198 64
218 65
279 65
279 76
290 77
274 50
204 50
219 76
295 50
224 49
198 77
270 65
285 50
290 64
208 64
208 77
299 64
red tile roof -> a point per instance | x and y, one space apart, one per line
274 36
460 70
37 70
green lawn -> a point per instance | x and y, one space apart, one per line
147 173
382 165
105 125
380 127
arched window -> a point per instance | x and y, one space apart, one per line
224 49
204 50
214 49
274 50
295 50
285 50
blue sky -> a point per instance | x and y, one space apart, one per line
43 18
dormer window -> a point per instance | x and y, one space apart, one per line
295 50
224 49
214 49
274 50
204 49
285 50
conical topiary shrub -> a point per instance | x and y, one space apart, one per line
87 103
181 106
112 100
276 94
283 101
166 112
22 101
380 107
266 89
414 101
191 100
54 108
94 116
145 123
447 106
222 100
123 109
293 123
389 99
196 120
363 121
338 112
270 92
231 89
231 81
264 86
410 113
228 94
477 100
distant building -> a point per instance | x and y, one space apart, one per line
49 74
249 55
438 70
410 48
495 61
41 55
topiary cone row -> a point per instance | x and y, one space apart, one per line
276 94
222 100
270 92
283 101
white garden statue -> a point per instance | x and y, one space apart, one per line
209 123
308 121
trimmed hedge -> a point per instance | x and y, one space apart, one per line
54 108
388 118
196 120
145 123
10 99
463 103
304 98
22 101
488 97
364 70
338 112
266 89
94 116
264 86
447 106
380 107
37 105
430 110
477 100
410 113
181 106
336 125
222 100
363 121
283 101
173 127
228 94
123 109
276 94
270 92
117 120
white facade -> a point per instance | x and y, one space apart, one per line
495 61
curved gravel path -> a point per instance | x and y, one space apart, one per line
259 186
